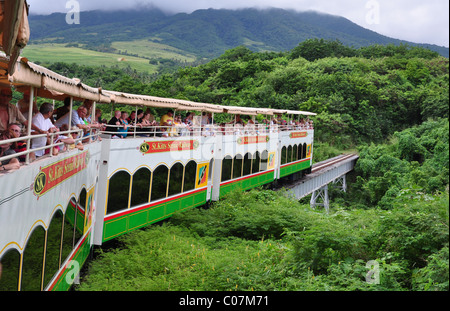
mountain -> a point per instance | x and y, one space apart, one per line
206 33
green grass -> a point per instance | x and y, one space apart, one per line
49 53
150 49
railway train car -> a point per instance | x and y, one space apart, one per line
56 208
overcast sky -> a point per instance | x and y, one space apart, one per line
420 21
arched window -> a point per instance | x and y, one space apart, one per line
283 155
264 160
247 164
68 237
118 192
227 165
10 275
176 179
159 183
189 176
256 162
80 215
33 259
140 189
294 153
304 151
299 152
289 154
237 166
53 251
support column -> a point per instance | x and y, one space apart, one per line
322 193
341 183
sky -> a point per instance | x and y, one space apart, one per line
419 21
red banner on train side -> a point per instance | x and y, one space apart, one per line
167 146
54 174
298 134
252 140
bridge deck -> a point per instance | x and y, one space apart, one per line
322 174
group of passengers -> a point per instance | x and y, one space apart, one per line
47 124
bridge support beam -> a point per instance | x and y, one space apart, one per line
322 194
341 183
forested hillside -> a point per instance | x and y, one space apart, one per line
390 104
203 33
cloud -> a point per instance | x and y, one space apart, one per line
412 20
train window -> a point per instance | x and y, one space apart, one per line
283 155
189 176
227 164
159 183
237 166
264 160
53 251
33 258
304 151
10 275
176 179
118 192
299 152
69 229
289 154
140 189
255 164
80 215
247 164
294 153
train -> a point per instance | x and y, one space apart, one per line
56 209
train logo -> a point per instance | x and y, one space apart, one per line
39 183
202 175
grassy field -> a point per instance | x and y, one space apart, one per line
150 49
51 53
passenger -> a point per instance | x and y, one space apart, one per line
166 122
42 120
78 119
123 120
9 113
24 105
74 144
151 117
112 130
189 120
61 111
98 116
19 146
5 150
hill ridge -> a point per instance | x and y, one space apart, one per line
207 33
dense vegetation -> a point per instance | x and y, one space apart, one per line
388 103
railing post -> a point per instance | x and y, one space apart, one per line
30 121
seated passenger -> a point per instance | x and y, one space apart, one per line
166 122
5 150
19 146
123 120
115 122
9 113
42 121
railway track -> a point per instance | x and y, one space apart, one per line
317 167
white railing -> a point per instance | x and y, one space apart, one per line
88 138
205 130
150 131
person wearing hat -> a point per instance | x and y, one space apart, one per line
9 113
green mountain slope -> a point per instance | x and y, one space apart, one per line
205 33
